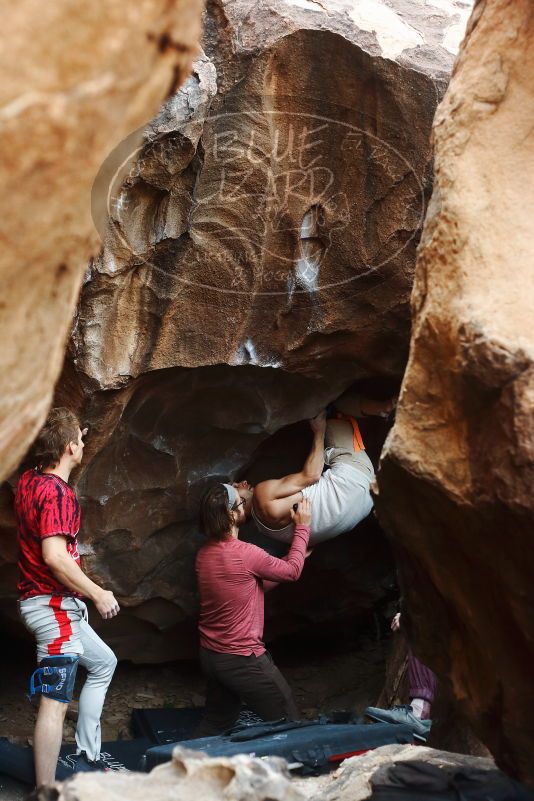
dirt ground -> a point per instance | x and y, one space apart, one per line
350 679
324 675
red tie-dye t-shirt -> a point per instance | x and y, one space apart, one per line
45 506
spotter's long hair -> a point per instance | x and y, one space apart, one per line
216 519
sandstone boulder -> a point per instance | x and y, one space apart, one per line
258 258
75 81
191 774
271 217
353 781
457 473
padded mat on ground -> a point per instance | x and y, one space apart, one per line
17 760
311 743
164 725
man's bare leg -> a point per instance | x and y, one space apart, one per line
47 739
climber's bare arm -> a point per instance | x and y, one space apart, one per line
284 487
274 498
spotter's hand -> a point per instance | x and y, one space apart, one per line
302 517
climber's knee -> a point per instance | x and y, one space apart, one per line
107 669
55 677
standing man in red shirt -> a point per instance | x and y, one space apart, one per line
52 587
232 578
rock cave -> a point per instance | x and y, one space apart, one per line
304 202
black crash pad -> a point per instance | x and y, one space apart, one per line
167 725
312 743
17 760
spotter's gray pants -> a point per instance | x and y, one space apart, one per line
60 626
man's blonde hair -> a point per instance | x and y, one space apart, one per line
60 429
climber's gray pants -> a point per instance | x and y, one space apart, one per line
60 626
339 447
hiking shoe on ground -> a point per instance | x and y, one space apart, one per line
400 714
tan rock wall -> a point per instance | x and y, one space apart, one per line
258 258
192 774
75 80
457 473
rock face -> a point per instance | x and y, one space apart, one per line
74 82
191 774
355 779
243 778
456 478
272 215
258 259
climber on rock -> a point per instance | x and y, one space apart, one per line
52 587
340 495
232 579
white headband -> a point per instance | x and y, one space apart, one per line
233 495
